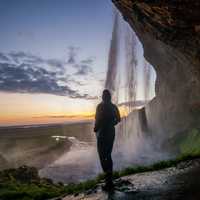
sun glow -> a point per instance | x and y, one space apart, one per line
20 109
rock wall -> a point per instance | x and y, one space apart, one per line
170 34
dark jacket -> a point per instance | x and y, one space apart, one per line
107 115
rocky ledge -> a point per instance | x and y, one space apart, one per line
169 184
177 182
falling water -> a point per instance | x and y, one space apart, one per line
147 80
131 68
111 76
129 78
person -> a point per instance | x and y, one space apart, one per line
106 117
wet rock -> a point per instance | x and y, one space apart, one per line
168 184
124 185
169 33
88 192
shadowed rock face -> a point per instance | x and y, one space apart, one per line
170 34
176 22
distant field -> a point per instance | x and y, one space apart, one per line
35 146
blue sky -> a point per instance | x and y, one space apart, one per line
53 57
38 38
48 27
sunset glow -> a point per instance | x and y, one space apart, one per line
19 109
27 109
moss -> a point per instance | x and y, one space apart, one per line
28 191
190 145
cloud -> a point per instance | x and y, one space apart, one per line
25 78
3 57
25 73
59 64
83 69
85 96
22 57
72 54
87 61
66 116
77 82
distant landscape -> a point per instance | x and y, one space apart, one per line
36 146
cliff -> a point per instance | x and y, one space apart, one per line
170 34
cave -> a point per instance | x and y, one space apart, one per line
170 35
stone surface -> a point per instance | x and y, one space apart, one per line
170 34
169 184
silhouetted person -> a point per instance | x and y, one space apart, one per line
107 116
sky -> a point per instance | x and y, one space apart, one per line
53 59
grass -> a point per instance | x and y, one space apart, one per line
40 189
14 190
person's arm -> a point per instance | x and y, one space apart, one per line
117 115
97 119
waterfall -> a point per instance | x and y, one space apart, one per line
147 80
130 68
111 76
130 79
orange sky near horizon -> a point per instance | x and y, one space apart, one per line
25 109
20 109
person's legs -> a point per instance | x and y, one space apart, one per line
109 148
101 147
105 145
